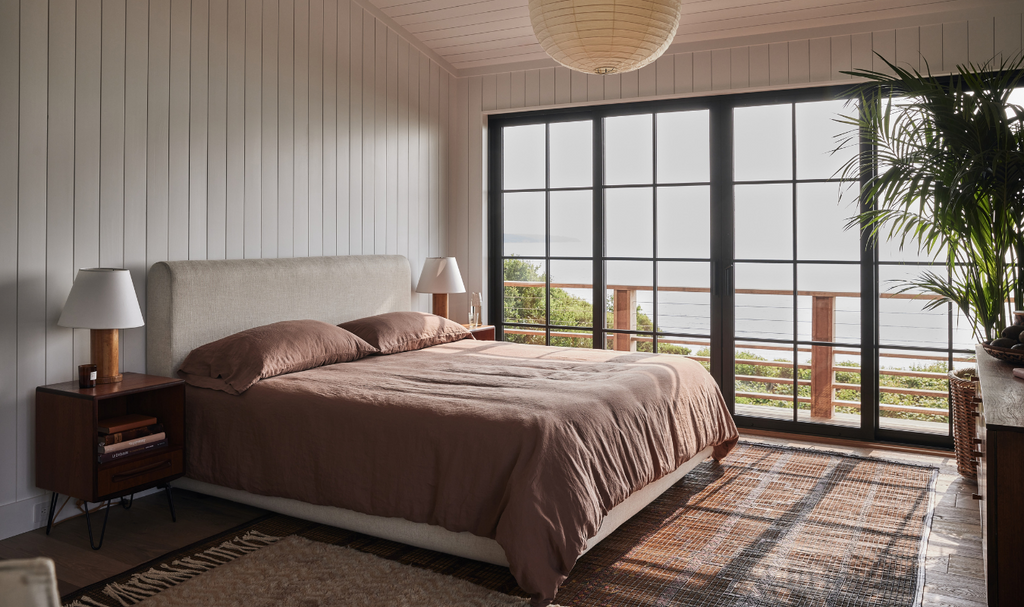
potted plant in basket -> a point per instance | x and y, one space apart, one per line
949 178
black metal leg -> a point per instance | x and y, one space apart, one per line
167 489
53 507
127 505
88 525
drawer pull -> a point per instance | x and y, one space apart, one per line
117 478
978 441
975 496
978 454
976 413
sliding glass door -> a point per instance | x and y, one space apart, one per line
719 230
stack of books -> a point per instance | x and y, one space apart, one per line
128 435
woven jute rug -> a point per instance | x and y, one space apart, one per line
769 526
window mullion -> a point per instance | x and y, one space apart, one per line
598 295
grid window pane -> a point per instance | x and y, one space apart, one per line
819 135
764 381
764 300
684 146
764 221
684 221
823 211
914 391
828 290
572 221
684 297
629 222
572 297
523 157
524 291
629 298
902 317
763 142
523 216
629 150
572 156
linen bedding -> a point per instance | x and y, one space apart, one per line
528 445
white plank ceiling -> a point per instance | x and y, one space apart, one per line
479 33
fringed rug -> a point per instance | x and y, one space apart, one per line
770 526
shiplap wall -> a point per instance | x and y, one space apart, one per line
777 65
133 132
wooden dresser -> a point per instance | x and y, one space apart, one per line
1000 451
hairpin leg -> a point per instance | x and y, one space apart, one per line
88 525
127 504
167 490
53 507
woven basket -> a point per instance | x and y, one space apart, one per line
962 392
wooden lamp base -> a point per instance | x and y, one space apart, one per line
104 347
441 304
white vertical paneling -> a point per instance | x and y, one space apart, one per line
1007 38
269 130
503 90
931 48
178 131
721 65
330 128
60 191
980 40
908 48
474 215
684 72
112 119
199 82
369 129
630 84
955 45
647 80
10 40
578 88
300 121
133 132
861 51
517 89
760 72
595 87
402 219
133 341
842 57
563 85
531 84
32 149
234 229
252 144
820 59
701 71
316 135
86 211
380 150
217 144
799 61
345 202
739 67
666 68
355 148
391 130
546 86
158 139
489 92
778 63
612 88
883 46
286 129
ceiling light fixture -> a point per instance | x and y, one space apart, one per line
605 36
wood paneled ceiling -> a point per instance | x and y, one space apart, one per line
472 34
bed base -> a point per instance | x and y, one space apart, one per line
433 537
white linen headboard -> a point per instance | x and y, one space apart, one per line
191 303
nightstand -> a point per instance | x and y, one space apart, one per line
482 332
66 438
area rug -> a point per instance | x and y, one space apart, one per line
769 526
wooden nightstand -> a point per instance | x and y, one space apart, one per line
483 332
66 436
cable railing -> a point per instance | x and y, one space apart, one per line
822 384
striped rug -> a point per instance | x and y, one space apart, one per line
770 526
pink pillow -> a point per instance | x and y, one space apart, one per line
403 331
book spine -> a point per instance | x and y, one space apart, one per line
135 442
123 427
120 437
109 457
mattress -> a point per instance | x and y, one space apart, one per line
528 445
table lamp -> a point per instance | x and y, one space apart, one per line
103 300
440 276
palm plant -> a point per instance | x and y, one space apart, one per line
948 159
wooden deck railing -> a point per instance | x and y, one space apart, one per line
822 384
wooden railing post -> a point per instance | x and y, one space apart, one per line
624 319
823 324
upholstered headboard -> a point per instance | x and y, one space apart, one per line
191 303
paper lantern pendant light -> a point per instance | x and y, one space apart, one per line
605 36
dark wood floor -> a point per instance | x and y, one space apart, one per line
133 536
954 576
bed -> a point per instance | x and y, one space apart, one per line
381 463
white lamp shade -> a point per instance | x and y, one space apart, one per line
605 36
102 298
440 275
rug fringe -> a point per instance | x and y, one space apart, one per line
143 585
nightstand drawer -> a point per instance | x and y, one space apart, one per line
165 464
